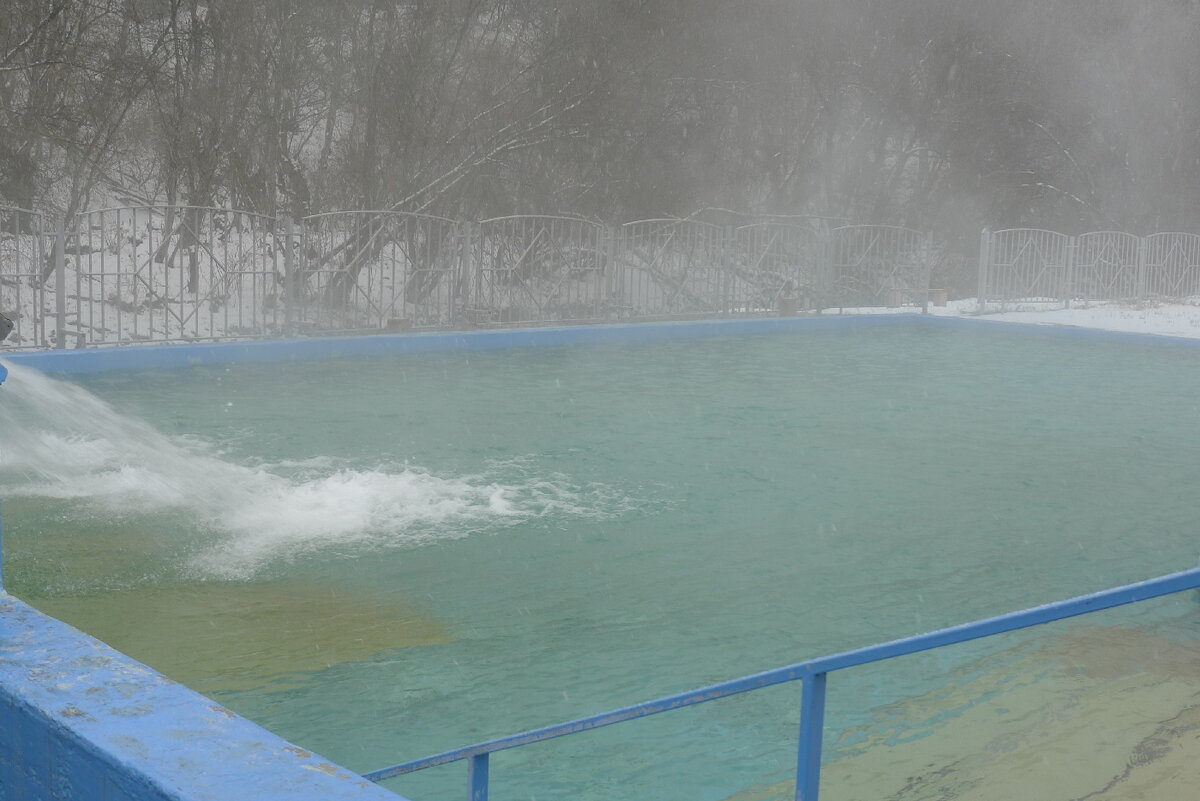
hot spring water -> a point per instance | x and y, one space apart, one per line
410 554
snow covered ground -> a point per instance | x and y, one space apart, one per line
1166 319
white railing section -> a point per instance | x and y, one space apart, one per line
1033 266
185 274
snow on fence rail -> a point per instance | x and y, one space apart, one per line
1033 265
184 273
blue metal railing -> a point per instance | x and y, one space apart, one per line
812 673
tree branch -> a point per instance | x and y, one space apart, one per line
57 9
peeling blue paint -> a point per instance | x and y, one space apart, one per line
79 720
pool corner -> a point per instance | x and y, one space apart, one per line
79 720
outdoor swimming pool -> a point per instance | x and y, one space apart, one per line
382 558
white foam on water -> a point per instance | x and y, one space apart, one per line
57 440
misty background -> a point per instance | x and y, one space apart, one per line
940 115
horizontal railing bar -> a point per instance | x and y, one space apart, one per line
381 213
1048 613
698 696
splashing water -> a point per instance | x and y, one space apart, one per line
59 441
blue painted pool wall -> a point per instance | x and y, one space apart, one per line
139 357
79 720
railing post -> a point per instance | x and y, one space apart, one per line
466 291
1139 289
477 777
985 255
1069 272
728 271
828 282
610 271
621 286
38 325
60 286
812 725
290 276
928 273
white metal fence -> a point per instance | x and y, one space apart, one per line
181 273
166 274
535 269
356 270
23 298
1028 265
878 265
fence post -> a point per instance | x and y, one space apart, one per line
290 276
464 289
610 271
1069 273
1139 288
824 278
985 255
812 726
60 286
928 273
38 324
728 273
477 777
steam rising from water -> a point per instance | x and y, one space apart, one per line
57 440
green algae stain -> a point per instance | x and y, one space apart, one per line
220 636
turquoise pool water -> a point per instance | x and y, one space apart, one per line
560 531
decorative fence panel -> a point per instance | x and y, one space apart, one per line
1171 266
671 268
1030 265
1025 264
776 265
536 269
23 260
170 273
357 270
878 265
1105 266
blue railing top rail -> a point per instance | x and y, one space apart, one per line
816 669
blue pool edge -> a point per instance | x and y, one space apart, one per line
178 355
79 719
169 355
